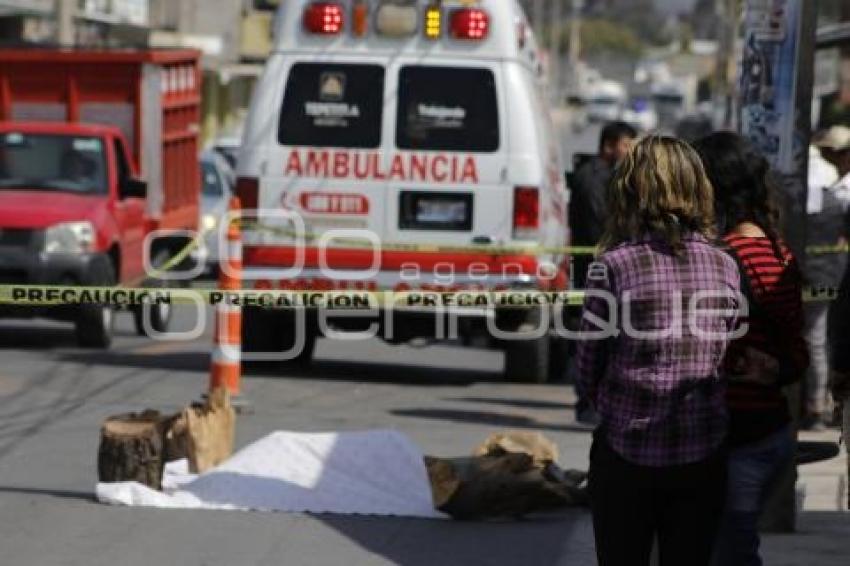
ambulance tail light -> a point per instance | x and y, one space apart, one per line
471 24
324 18
248 191
526 213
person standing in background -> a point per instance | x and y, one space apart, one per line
772 353
825 228
588 193
651 369
836 148
588 213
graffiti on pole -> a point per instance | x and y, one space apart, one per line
768 81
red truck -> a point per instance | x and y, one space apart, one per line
98 150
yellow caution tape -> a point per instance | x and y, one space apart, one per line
487 249
54 295
46 296
828 249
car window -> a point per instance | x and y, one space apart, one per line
211 181
333 105
52 162
445 108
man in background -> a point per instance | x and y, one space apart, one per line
835 146
825 228
589 211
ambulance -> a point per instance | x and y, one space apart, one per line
423 129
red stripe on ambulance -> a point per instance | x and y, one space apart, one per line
423 168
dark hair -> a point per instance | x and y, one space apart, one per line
744 189
614 132
659 189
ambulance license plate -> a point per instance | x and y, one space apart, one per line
435 211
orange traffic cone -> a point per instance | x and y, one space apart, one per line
226 368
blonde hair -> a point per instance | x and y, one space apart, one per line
659 189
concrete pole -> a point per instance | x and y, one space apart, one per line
538 17
575 33
556 33
65 22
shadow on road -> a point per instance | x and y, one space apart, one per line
521 403
354 371
543 539
56 493
487 418
35 336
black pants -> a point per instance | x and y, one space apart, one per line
633 505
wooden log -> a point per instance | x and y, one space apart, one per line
132 449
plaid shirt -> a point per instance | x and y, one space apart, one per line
660 398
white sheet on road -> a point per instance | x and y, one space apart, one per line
363 473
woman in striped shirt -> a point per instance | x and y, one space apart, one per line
770 355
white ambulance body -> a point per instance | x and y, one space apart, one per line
422 124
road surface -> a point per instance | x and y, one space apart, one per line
53 397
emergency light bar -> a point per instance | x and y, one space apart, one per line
396 19
324 18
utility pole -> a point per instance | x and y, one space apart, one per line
556 33
728 14
65 22
538 17
575 34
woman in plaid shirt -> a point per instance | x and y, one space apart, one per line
660 311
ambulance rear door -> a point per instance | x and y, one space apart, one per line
326 164
448 133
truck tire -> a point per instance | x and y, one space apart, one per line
273 331
159 315
94 323
527 359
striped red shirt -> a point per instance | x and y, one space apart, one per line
775 327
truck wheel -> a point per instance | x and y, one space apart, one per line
94 322
269 331
158 315
527 359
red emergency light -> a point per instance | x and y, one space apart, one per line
526 212
470 24
324 18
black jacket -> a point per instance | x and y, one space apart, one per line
588 206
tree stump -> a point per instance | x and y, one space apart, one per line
132 449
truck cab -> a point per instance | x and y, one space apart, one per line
416 127
93 165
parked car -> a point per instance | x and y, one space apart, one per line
641 115
216 191
228 147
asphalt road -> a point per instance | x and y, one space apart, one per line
54 396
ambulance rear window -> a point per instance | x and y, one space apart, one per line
333 105
450 109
